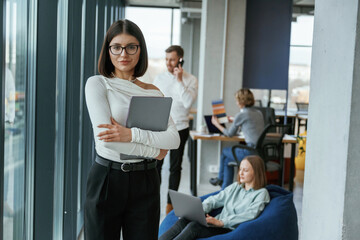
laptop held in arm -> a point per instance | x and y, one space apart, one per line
148 113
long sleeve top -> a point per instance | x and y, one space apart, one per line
251 122
183 94
239 205
110 97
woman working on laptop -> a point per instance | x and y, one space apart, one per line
242 201
251 123
123 195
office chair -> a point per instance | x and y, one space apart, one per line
268 114
302 106
258 103
269 147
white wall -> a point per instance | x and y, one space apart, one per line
190 41
234 55
331 191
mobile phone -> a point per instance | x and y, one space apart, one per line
181 62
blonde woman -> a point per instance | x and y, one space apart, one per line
251 122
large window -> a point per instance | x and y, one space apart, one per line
14 144
161 28
48 50
299 68
300 60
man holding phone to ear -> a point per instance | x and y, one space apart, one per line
183 88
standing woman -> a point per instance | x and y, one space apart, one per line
123 195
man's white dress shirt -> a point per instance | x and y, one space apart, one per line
183 94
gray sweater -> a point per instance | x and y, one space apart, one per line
251 122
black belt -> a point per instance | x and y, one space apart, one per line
127 167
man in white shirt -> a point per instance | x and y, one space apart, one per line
182 87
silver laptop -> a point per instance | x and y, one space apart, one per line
148 113
188 207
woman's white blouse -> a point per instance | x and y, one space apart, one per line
110 97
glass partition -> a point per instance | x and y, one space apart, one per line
14 144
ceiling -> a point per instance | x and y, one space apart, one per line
193 7
159 3
300 6
304 2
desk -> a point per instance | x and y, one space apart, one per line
293 118
194 136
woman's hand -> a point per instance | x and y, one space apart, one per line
115 132
162 154
213 221
230 119
215 121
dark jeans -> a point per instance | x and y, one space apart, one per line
176 157
122 201
184 229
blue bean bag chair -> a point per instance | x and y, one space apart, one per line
278 221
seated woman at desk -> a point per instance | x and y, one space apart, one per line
251 122
242 201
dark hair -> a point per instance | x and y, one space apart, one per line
179 50
245 97
105 65
259 171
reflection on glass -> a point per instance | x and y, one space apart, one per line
14 146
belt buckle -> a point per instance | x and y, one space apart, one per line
123 167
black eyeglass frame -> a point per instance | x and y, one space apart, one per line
122 49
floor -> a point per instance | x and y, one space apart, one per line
208 188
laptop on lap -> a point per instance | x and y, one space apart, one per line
188 207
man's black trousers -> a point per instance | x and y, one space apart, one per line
176 157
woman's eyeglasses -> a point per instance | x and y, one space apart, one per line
130 49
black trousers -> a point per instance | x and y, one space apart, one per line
122 201
176 157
